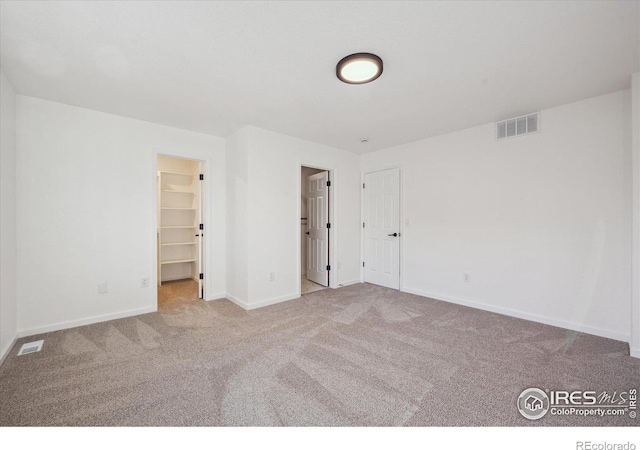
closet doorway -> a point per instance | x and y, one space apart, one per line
180 232
314 229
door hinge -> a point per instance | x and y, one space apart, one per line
362 185
362 263
328 225
362 224
329 183
201 226
202 276
328 267
201 176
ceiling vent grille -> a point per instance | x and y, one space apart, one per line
517 126
30 347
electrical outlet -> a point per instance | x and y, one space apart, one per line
272 276
466 277
144 282
103 288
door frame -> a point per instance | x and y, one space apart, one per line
333 273
401 219
207 162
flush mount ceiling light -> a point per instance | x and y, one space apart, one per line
359 68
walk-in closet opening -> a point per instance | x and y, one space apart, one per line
180 233
314 229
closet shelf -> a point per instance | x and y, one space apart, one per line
178 192
190 175
178 206
177 261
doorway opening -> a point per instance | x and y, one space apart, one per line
315 224
180 232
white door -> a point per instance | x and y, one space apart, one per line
318 228
200 231
382 228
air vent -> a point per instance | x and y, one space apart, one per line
517 126
30 347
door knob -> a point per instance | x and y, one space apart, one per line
394 234
307 232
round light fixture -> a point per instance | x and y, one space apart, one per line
359 68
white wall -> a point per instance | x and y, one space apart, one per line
540 222
635 280
237 178
86 212
264 186
8 256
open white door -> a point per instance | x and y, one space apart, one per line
200 231
318 228
382 228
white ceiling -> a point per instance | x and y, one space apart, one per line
213 67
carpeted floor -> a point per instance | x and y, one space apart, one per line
307 286
176 294
360 355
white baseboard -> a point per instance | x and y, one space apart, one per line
218 296
242 304
634 351
610 334
7 349
86 321
348 283
178 278
272 301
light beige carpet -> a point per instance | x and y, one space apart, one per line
175 294
307 286
360 355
